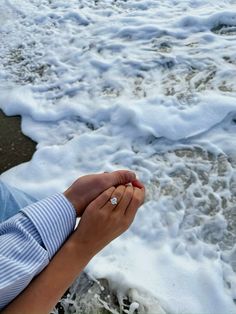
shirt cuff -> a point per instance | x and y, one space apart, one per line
54 218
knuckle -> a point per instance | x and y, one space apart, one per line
124 176
119 177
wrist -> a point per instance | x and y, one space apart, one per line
74 200
81 250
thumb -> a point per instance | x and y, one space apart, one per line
120 177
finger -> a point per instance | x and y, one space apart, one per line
126 199
136 202
119 177
138 184
103 198
116 195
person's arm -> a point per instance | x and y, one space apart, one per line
100 224
30 239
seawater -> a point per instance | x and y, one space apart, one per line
149 86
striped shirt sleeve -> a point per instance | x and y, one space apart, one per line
29 240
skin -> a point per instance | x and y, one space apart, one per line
101 222
87 188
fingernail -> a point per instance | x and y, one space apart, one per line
137 184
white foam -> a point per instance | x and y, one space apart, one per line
104 85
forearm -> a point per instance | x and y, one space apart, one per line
45 290
29 240
100 223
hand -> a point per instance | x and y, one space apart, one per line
87 188
102 222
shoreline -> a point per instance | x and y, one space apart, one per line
15 147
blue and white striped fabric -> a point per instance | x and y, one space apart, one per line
29 240
12 200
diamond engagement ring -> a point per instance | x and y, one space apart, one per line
114 201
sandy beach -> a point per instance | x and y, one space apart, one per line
142 85
15 147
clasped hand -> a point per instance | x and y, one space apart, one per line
101 221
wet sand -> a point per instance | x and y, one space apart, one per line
15 148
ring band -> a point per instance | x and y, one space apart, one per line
114 201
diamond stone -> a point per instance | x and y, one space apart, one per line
114 201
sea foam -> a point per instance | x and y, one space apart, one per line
144 85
